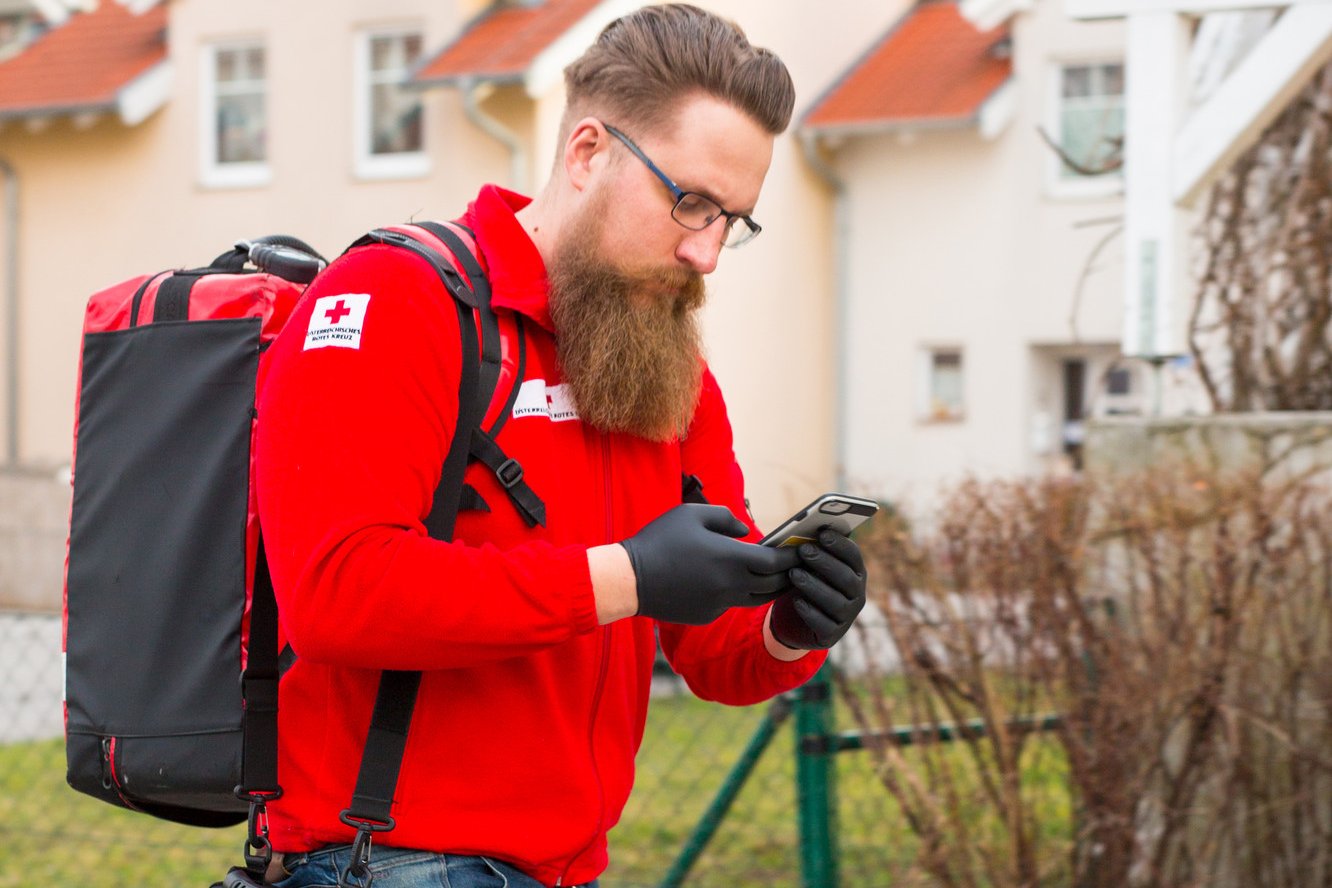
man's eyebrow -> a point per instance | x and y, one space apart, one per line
710 195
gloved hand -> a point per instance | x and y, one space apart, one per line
690 569
829 592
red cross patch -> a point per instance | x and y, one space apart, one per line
337 321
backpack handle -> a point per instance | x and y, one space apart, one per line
287 257
289 263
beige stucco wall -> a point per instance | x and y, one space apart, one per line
103 202
956 241
771 317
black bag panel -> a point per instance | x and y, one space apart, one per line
198 771
164 589
185 779
85 769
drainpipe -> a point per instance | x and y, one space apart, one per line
473 92
11 311
809 144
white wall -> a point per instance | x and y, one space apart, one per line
955 241
769 323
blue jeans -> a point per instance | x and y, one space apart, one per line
406 868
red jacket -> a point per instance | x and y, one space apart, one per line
529 714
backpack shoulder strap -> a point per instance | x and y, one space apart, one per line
466 252
386 740
371 805
463 253
483 448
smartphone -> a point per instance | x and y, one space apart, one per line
842 512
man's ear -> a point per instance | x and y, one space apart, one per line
585 152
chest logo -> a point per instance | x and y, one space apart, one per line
554 402
336 321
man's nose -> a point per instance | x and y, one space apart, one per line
700 249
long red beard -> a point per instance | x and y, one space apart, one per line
629 342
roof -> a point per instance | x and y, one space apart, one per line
503 42
933 66
84 64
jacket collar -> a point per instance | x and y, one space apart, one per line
517 272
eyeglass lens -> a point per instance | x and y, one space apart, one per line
696 212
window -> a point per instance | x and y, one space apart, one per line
1089 125
234 130
1119 381
18 30
1121 395
942 400
390 125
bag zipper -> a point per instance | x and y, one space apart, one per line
110 780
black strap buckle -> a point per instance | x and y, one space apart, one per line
357 872
509 473
258 849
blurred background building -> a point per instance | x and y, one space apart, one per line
939 288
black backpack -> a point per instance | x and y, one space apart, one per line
172 665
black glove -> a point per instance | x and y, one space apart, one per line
829 592
690 569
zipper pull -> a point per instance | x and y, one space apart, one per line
106 764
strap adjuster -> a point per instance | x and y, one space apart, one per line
366 824
509 473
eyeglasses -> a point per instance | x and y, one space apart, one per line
692 210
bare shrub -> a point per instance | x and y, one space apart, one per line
1261 327
1180 624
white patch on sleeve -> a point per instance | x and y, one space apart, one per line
337 321
535 398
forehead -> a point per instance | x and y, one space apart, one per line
715 149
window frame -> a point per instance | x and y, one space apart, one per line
368 165
213 172
926 409
1057 185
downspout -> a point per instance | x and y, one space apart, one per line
10 297
473 92
809 144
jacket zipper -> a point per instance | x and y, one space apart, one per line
601 672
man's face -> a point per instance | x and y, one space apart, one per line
710 149
627 279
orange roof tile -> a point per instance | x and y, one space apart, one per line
503 42
83 64
932 66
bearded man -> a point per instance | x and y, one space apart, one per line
535 641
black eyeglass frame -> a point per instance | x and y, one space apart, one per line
751 227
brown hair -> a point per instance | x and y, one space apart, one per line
644 63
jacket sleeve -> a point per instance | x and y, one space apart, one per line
349 449
726 660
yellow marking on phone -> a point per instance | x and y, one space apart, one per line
794 541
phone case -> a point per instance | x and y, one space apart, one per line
840 511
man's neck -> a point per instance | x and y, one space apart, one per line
540 220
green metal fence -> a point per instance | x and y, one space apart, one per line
816 743
724 798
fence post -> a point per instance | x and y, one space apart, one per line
778 712
816 778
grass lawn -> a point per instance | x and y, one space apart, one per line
55 836
687 752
